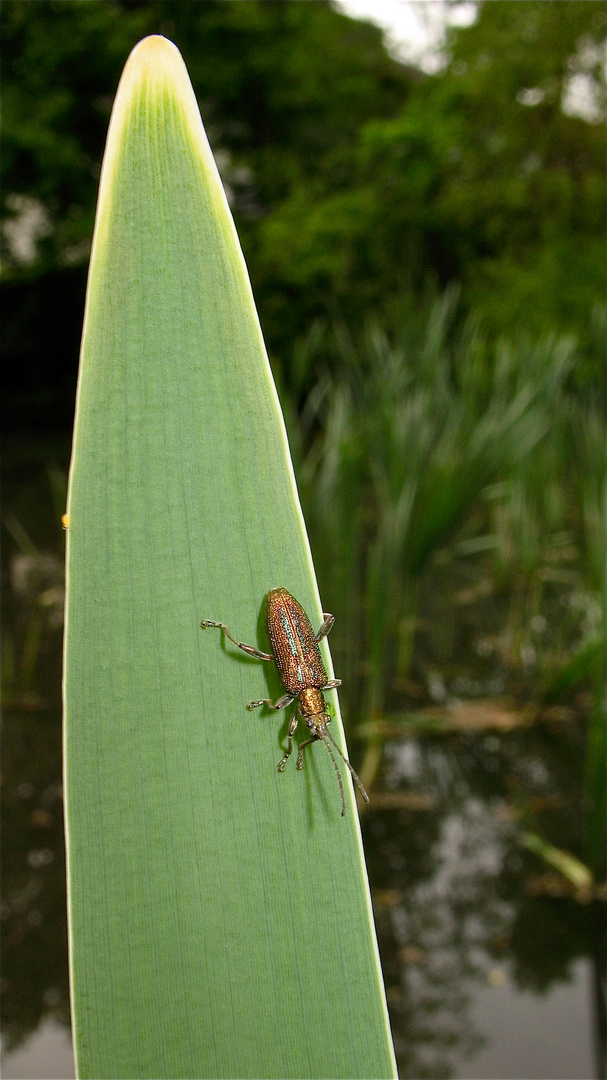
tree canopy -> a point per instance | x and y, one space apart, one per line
354 179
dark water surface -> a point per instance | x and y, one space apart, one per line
493 967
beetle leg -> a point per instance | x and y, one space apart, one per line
300 761
280 704
292 725
250 649
332 684
326 626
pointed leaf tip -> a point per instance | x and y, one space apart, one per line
154 74
155 52
155 60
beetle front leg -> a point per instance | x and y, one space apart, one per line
250 649
300 760
280 704
326 626
292 726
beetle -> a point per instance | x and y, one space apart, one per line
300 666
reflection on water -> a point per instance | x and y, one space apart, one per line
521 1026
46 1055
34 938
487 958
461 908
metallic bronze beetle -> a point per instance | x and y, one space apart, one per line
300 666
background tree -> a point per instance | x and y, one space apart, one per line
284 90
483 177
355 181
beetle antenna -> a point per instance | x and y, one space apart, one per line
337 772
354 774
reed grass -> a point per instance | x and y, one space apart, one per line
437 446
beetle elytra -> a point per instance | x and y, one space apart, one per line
302 671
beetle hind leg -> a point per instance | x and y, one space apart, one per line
250 649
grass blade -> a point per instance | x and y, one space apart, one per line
220 921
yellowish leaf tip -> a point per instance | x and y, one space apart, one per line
156 53
154 71
155 59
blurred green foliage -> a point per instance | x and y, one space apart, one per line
427 256
354 180
455 492
454 489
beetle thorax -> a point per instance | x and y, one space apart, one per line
311 702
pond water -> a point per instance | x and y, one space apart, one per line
493 967
513 1032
